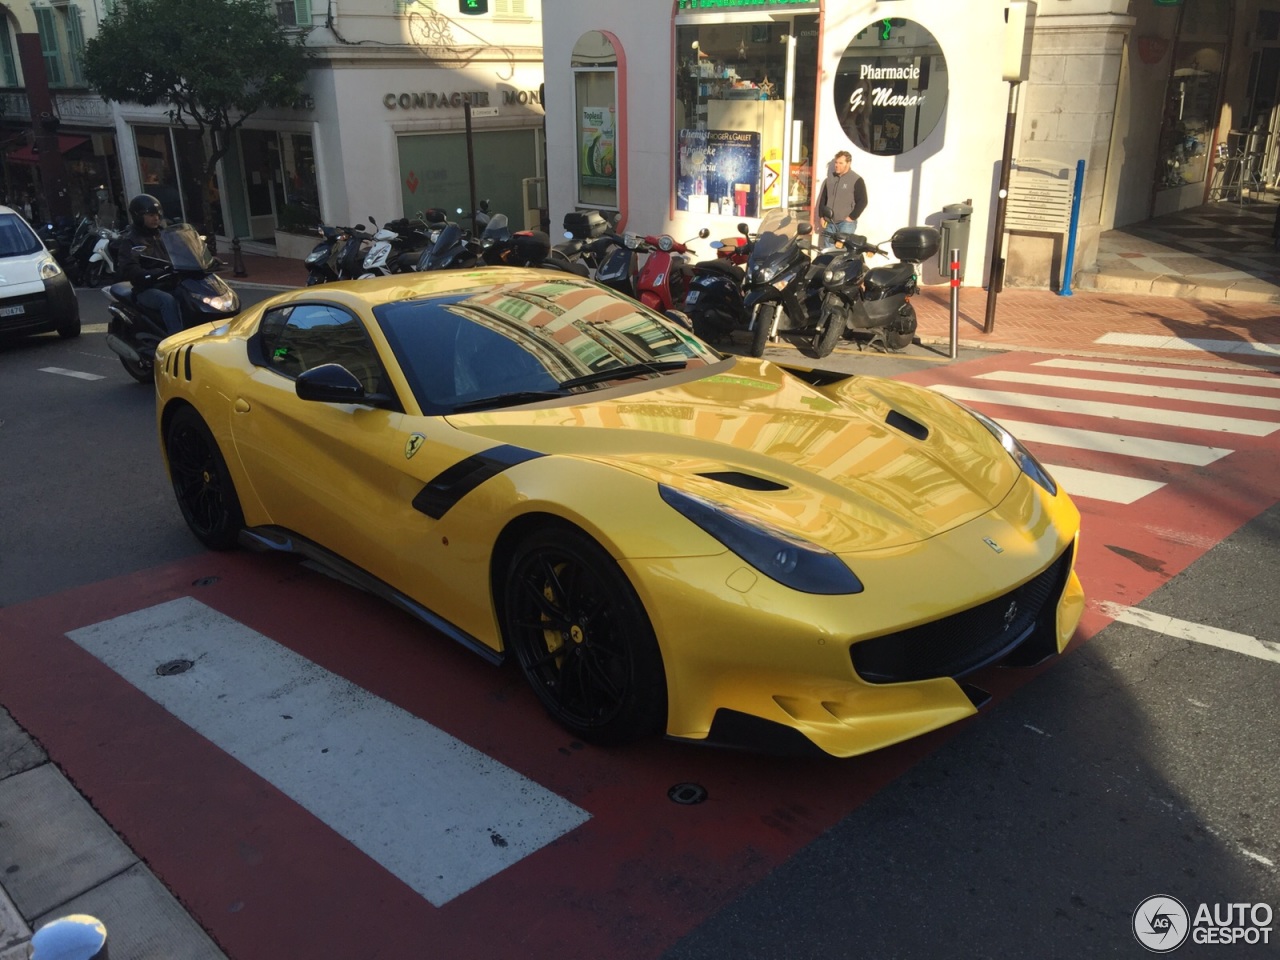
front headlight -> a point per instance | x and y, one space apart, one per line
1021 455
793 562
222 303
765 272
316 256
49 269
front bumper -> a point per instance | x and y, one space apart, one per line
38 306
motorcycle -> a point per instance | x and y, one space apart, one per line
783 290
856 299
396 247
714 298
663 281
350 258
324 260
133 332
102 262
582 231
452 249
80 249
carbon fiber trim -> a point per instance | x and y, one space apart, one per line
451 485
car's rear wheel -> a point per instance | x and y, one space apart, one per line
201 481
141 370
582 638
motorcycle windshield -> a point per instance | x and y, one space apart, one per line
777 236
440 252
186 250
497 230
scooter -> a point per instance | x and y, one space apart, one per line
102 262
396 247
322 262
714 298
877 301
133 332
784 289
452 249
663 281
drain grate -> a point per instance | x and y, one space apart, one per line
687 794
172 668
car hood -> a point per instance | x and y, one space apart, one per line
862 463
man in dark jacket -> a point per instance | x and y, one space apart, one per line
137 250
846 194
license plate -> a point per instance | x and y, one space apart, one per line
692 297
12 311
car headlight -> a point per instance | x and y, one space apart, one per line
793 562
49 269
1021 455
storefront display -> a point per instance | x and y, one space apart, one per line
1192 98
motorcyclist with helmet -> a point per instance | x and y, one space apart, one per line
140 253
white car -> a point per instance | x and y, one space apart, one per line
35 294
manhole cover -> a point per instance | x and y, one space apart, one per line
173 667
687 793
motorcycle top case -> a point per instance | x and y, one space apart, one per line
916 244
586 224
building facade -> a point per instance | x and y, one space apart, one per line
717 110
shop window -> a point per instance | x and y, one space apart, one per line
1191 100
744 107
595 82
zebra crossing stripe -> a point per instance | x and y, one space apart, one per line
1099 441
1196 632
1111 411
1145 390
1153 341
436 813
1102 486
1256 381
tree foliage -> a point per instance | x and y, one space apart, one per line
213 63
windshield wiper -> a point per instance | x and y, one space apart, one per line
622 373
507 399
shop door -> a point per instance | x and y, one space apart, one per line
433 172
259 154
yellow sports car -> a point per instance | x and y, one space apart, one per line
666 538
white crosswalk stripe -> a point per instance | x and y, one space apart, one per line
1143 438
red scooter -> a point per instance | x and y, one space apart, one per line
664 278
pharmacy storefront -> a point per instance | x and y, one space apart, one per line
717 111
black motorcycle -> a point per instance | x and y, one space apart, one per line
876 301
713 301
323 263
453 249
783 291
133 332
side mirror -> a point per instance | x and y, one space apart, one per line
827 212
704 233
334 383
804 228
744 230
373 221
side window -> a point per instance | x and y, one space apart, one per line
297 338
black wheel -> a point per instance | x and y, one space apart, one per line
93 274
825 338
582 638
315 278
141 370
201 482
905 328
709 327
762 328
70 328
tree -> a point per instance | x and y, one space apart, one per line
214 63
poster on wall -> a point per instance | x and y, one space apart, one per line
597 159
718 172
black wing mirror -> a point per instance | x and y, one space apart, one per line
803 228
827 213
334 383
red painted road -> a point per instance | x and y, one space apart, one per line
268 880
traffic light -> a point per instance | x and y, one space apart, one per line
473 7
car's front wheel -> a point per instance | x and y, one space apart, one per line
70 327
201 481
582 638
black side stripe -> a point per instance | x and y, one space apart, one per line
451 485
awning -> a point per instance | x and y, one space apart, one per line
28 155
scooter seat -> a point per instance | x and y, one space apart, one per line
122 290
895 274
731 270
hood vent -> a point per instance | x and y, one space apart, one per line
912 428
746 481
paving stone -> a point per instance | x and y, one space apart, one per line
18 752
15 935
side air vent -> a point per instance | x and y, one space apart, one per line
912 428
746 481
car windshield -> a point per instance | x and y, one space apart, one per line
16 238
528 340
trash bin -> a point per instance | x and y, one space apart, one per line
955 236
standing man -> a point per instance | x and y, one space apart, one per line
846 194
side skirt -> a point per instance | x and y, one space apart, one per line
278 540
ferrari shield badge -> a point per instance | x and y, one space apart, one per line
411 445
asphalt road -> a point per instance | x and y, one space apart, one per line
1139 764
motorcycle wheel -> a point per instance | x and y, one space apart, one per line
762 328
142 370
906 332
830 327
313 279
93 275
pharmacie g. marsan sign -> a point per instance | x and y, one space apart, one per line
891 86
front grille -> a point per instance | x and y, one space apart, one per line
966 641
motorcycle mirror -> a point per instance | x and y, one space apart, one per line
744 230
704 233
373 221
804 228
827 212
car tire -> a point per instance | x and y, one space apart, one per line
69 329
201 481
763 326
582 638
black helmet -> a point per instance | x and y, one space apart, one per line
144 203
